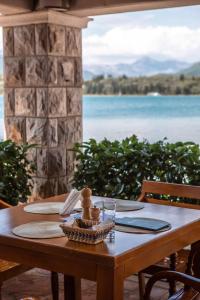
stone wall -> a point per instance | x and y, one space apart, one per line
43 98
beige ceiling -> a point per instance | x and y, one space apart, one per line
92 7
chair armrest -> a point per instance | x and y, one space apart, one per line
4 204
141 198
172 276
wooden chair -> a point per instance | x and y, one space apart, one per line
191 280
10 269
176 261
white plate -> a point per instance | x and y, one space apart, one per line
39 230
123 205
47 208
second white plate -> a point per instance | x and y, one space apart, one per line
45 208
123 205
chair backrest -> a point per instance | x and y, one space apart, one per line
4 204
171 189
196 263
193 264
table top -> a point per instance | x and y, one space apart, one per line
185 230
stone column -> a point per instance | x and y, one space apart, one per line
43 92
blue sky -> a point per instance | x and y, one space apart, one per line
164 34
123 38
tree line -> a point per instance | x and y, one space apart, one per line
163 84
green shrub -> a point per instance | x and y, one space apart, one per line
117 169
15 172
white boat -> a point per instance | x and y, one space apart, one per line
155 94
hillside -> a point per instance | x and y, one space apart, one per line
139 78
193 70
163 84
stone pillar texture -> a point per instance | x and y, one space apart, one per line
43 98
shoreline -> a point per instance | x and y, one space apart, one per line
139 95
133 95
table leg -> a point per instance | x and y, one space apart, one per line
110 283
141 283
54 286
0 290
172 284
72 288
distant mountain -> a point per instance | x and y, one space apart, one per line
88 75
193 70
146 66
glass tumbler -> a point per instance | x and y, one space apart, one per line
108 214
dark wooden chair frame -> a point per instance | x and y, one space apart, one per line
150 188
191 279
11 269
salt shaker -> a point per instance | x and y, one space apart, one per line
95 213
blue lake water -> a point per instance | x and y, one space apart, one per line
116 117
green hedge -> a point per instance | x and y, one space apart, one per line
15 172
117 169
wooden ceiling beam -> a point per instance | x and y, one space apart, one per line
99 7
10 7
90 7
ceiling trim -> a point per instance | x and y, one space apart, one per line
99 7
86 8
46 16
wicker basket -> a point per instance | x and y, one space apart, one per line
93 235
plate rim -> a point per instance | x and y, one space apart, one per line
26 208
34 237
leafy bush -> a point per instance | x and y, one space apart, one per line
117 169
15 172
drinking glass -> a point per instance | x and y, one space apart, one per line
108 212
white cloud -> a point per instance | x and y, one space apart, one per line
123 44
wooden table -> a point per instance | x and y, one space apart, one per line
107 263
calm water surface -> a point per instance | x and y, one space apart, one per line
116 117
